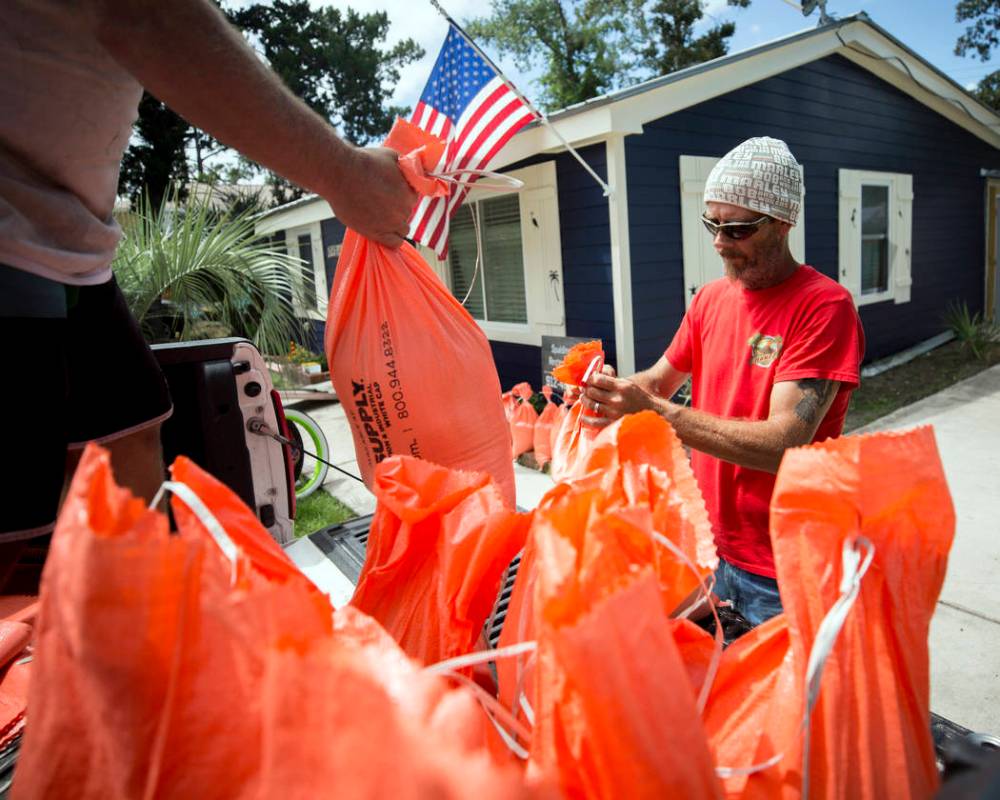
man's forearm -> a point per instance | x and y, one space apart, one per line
187 55
757 444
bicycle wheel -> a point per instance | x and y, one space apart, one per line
307 436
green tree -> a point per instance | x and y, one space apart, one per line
584 47
156 157
332 60
672 44
981 38
188 273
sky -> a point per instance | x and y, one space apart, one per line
926 26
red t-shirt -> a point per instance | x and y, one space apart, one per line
737 344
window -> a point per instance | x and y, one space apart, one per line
308 271
305 242
517 294
497 289
875 224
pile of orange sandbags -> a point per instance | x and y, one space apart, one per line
205 664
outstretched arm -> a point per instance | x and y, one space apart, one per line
187 54
796 410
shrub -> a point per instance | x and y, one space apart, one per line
977 334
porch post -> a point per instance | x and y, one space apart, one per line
621 259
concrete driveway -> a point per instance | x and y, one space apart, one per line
965 631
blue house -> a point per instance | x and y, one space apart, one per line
901 170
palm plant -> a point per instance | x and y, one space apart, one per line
976 333
186 270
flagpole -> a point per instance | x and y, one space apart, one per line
541 116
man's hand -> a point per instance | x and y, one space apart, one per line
607 398
371 196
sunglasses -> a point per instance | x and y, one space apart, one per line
733 230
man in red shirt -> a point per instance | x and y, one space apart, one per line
773 350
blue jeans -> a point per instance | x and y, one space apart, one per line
755 597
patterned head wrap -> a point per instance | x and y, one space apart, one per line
760 174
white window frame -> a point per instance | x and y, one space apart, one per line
541 249
315 234
701 263
900 227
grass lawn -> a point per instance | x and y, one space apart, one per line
919 378
319 510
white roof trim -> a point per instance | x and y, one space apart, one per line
305 210
627 110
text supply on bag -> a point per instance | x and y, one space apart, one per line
411 367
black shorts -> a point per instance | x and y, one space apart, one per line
76 369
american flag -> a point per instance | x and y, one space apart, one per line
467 104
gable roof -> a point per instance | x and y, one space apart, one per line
856 38
624 111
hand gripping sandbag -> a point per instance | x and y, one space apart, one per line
411 367
151 644
438 546
861 528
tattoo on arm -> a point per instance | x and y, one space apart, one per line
815 393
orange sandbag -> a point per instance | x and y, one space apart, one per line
557 423
353 717
543 429
869 736
572 445
615 713
413 370
149 644
438 546
15 672
522 420
582 358
640 482
204 664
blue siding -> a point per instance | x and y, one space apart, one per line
332 231
516 363
586 263
833 114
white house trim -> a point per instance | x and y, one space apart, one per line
886 61
627 110
304 211
621 256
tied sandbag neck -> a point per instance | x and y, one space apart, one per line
505 721
507 726
208 520
856 558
